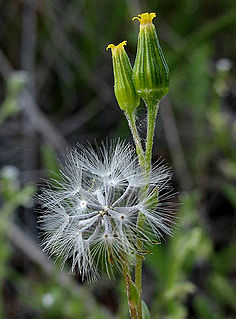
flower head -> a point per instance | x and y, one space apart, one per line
150 72
125 92
91 214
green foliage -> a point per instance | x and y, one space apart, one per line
146 313
48 299
205 310
222 291
14 86
13 196
173 262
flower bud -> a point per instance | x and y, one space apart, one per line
125 92
150 73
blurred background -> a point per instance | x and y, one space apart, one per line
56 89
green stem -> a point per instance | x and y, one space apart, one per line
151 120
133 127
138 274
128 286
142 162
145 162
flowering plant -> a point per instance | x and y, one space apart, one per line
111 201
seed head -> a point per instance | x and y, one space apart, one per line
90 215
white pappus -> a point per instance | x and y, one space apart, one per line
90 214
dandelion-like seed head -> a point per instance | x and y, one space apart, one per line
90 215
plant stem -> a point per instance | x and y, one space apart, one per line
138 275
128 283
145 160
151 122
133 127
142 162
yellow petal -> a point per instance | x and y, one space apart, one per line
110 46
145 18
116 47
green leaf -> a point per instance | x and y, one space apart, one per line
133 294
145 311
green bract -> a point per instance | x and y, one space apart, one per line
125 92
150 73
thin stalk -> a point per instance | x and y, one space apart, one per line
133 127
145 160
138 267
151 121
